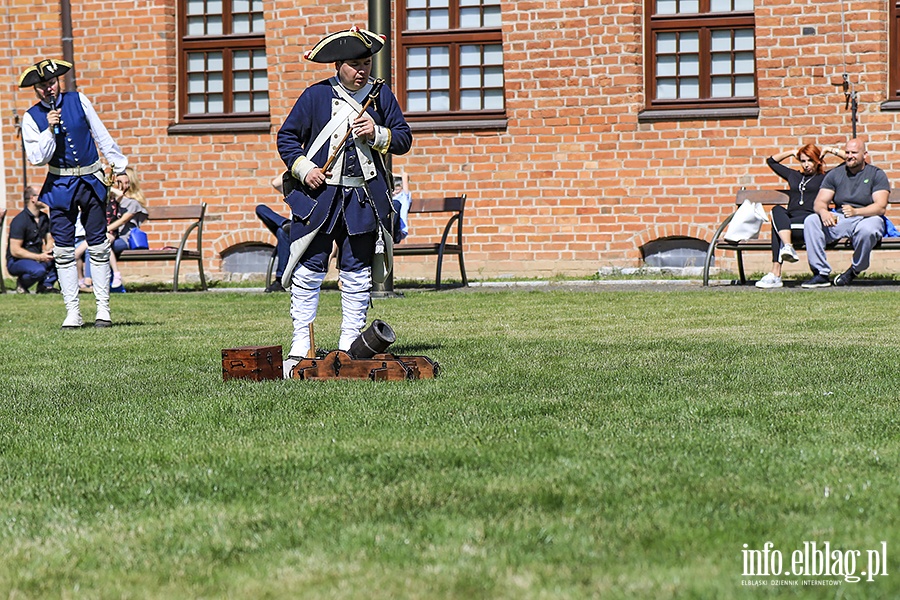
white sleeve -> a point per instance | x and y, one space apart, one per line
39 145
108 147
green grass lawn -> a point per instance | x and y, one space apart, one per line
577 445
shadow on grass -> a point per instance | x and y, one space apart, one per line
115 325
152 287
330 285
797 284
135 323
427 285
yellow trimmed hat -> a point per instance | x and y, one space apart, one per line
352 44
45 70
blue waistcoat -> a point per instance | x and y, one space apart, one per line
75 147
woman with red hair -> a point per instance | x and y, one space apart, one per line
803 185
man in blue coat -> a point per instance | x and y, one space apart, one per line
349 203
63 132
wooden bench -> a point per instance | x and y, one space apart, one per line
770 198
455 205
193 214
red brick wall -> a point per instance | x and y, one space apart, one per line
574 183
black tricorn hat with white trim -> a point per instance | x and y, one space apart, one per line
352 44
45 70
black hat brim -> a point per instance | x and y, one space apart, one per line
352 44
43 71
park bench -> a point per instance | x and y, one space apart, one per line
455 207
193 214
770 198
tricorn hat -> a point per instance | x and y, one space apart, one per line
45 70
352 44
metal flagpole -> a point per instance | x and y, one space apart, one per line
380 22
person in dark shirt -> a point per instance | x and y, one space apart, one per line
860 194
29 255
803 185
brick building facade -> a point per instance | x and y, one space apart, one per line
581 173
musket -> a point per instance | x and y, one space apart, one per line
373 93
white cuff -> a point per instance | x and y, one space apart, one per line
301 167
382 139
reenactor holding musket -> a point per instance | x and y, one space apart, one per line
333 143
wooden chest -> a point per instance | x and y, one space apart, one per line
257 363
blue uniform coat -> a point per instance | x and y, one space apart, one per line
311 208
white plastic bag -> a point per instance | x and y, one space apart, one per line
747 222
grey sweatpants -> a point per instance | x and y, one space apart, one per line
864 234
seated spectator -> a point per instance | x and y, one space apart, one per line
402 201
803 185
281 229
859 192
29 255
125 211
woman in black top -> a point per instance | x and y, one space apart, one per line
803 186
